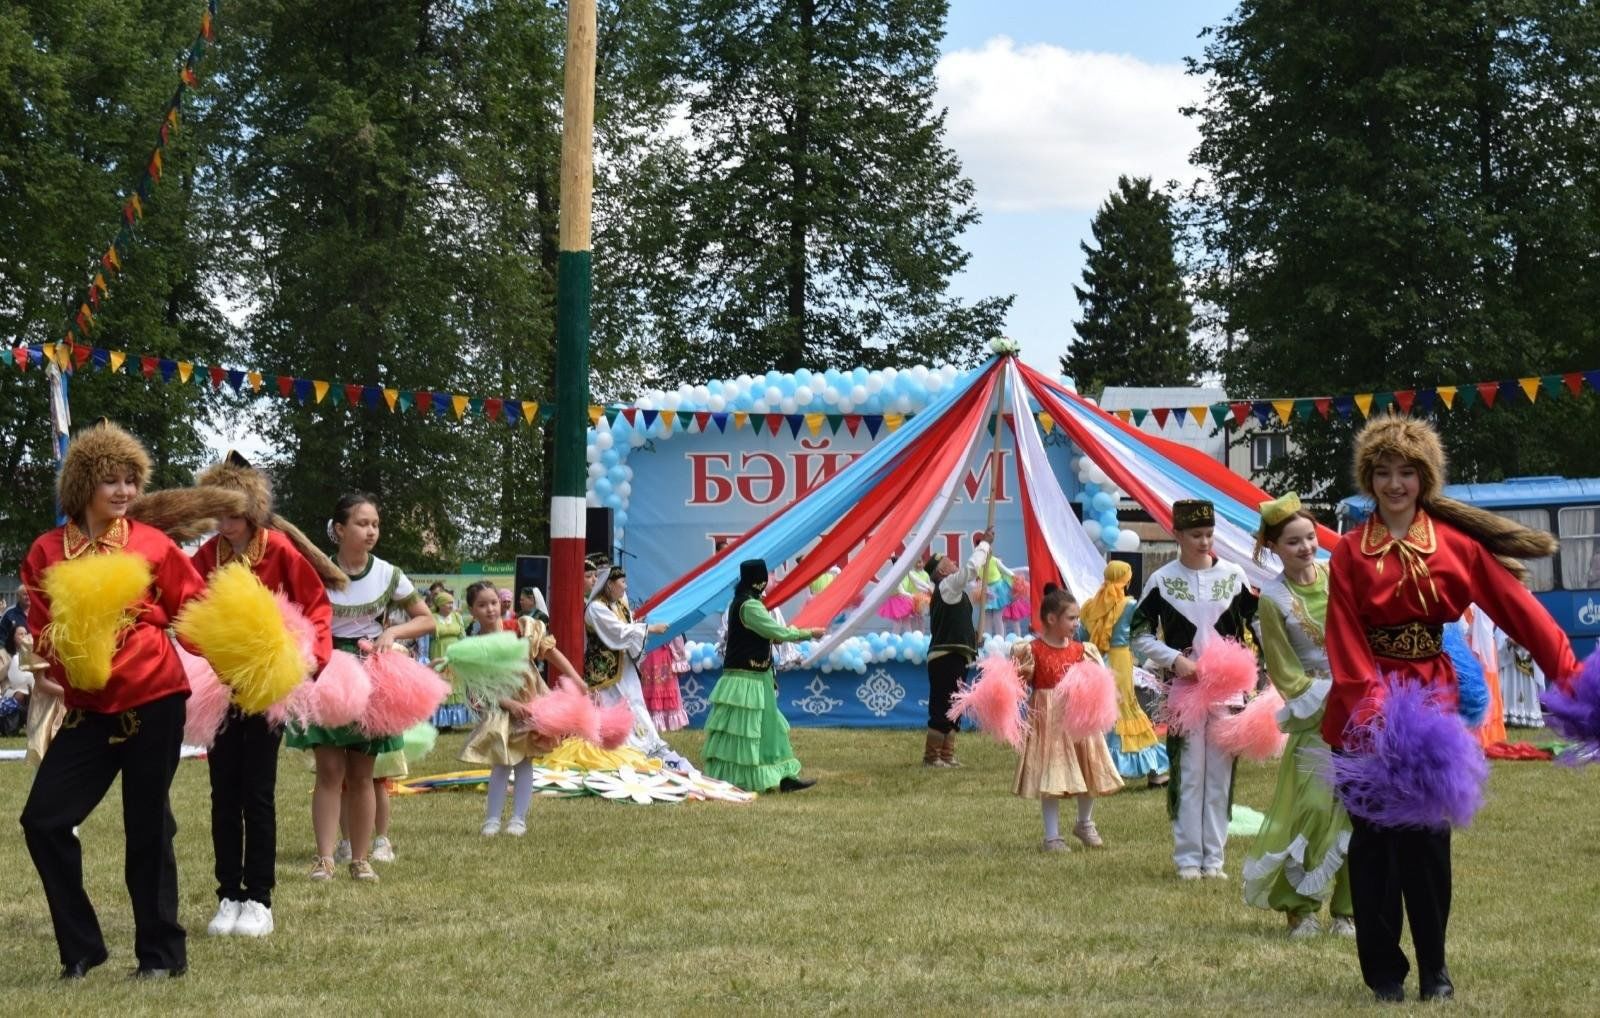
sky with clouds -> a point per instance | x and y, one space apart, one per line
1048 102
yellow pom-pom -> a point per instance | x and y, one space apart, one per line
92 600
236 625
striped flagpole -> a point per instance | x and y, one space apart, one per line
573 269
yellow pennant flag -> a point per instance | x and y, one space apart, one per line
64 357
118 358
185 371
49 352
739 419
1125 415
1198 415
815 423
100 283
1047 423
1448 394
595 413
112 258
254 378
667 418
1530 386
319 388
893 422
1364 403
459 405
391 397
1284 407
530 411
138 206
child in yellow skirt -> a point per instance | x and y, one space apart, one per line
499 740
1054 767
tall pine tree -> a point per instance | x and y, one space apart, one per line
814 215
1136 317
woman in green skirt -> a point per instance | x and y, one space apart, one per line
1298 859
747 739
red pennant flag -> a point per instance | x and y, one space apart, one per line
217 375
631 415
81 355
851 423
20 355
1574 382
492 405
701 419
1240 412
1161 416
774 422
424 401
1323 404
1403 398
352 394
147 367
1487 391
285 386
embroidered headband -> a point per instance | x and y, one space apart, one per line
1279 509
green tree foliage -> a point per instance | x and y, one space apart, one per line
1136 317
813 214
1406 194
86 84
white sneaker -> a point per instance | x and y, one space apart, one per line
1214 873
1307 928
382 851
1343 926
255 920
1188 873
517 827
341 852
490 827
226 919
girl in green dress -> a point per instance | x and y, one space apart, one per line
1298 860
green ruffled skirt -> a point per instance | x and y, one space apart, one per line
344 737
747 738
1298 860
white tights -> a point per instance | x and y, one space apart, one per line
499 777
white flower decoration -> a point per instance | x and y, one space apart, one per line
704 788
556 781
627 784
1000 346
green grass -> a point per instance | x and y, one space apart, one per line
888 889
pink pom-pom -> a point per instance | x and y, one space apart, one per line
566 712
1253 732
340 693
616 724
208 701
1225 669
994 701
299 627
404 693
1186 708
299 706
1089 700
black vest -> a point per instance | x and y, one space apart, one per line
747 651
950 626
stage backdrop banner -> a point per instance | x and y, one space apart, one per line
893 695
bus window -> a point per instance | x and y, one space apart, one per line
1541 571
1580 546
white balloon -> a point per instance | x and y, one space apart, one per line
1127 541
596 470
788 405
715 404
625 489
948 372
701 394
648 402
803 395
830 396
920 372
846 407
934 384
759 407
591 453
902 404
636 439
670 401
875 382
604 440
858 394
1092 528
773 394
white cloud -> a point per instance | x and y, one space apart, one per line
1041 127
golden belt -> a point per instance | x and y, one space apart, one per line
1410 642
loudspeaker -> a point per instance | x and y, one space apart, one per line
532 571
597 534
1135 562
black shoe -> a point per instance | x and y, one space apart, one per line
1390 994
81 967
796 784
142 973
1441 991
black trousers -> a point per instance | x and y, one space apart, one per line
86 756
944 672
244 819
1389 866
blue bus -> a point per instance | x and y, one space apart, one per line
1567 583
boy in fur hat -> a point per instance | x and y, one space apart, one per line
103 590
243 760
1186 603
1412 568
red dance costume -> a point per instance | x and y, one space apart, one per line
282 569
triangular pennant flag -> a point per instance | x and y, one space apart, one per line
1509 390
371 395
834 420
117 359
1303 409
1425 400
1047 423
814 423
403 400
169 368
1404 398
668 419
1382 401
254 378
530 411
1323 405
1363 402
336 394
492 406
631 415
147 367
1448 394
1466 395
1551 384
391 397
1344 406
352 393
285 386
1530 388
1160 413
303 390
893 422
1125 415
474 405
235 379
739 419
20 355
1262 409
1488 392
441 403
1219 413
873 423
852 422
320 389
216 373
1593 378
459 404
1240 412
720 419
1198 413
424 401
774 422
612 413
1283 407
185 371
1573 380
796 422
1139 414
1179 414
650 417
701 419
595 413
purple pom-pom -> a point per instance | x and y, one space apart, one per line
1414 764
1575 716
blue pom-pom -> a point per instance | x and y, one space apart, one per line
1472 689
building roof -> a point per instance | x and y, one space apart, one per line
1129 397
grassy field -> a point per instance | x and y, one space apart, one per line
888 889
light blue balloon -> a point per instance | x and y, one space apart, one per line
610 458
601 488
617 474
1109 535
787 385
620 518
613 501
773 377
859 376
1102 502
714 387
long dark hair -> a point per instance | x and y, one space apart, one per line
1054 602
344 507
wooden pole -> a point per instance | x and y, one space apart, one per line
574 269
994 497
